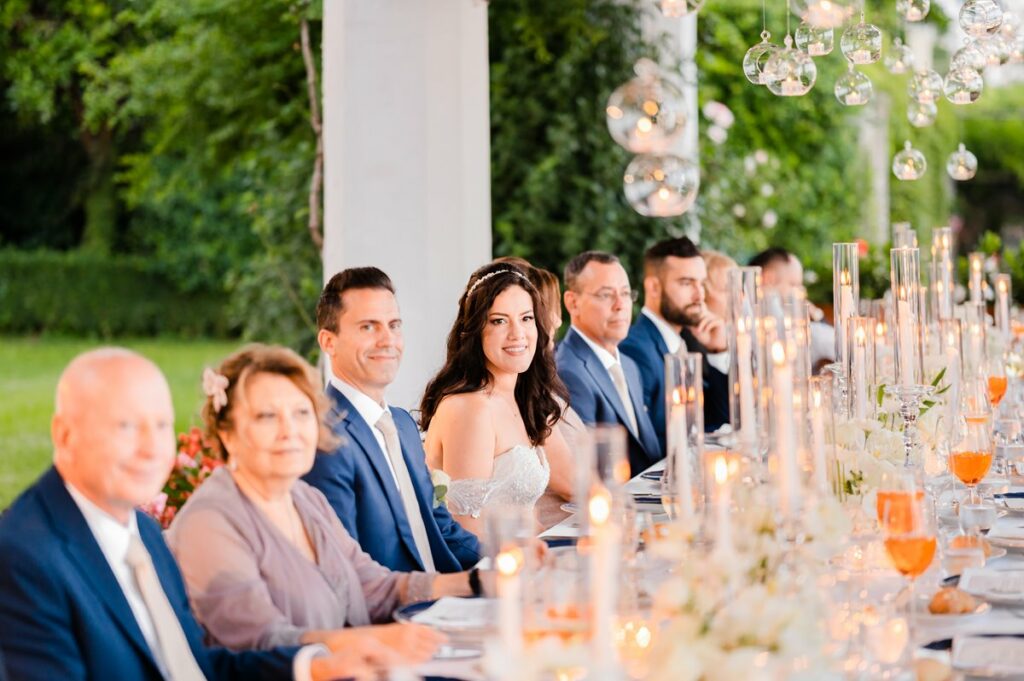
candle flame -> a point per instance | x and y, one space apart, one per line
816 396
880 329
860 336
677 396
778 353
600 507
721 470
508 561
644 124
1001 284
844 277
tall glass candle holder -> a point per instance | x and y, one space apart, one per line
684 409
976 277
942 273
1003 286
845 291
909 388
825 475
975 339
861 342
903 235
746 362
950 341
784 447
508 534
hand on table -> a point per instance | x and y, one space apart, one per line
405 644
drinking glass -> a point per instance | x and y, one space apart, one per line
971 457
997 380
898 492
910 539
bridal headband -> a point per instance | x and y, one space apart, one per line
494 274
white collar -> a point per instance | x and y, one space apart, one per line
608 360
366 406
672 338
111 534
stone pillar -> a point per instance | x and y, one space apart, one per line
407 159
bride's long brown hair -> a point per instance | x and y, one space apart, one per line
465 369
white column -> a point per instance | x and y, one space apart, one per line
407 159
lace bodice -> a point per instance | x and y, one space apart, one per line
519 477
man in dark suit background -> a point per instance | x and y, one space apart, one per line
377 481
604 385
88 589
674 318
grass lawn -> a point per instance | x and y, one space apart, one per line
29 369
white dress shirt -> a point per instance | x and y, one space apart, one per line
113 537
371 412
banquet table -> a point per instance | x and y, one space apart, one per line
645 490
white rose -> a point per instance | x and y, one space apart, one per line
850 435
886 445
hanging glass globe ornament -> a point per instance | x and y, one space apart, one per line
925 86
824 13
962 164
909 164
790 72
980 18
995 49
679 8
862 44
661 185
970 56
913 10
756 57
853 88
1011 23
921 115
815 42
963 86
647 113
900 59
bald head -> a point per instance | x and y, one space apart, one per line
113 429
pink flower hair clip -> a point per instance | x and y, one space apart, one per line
215 386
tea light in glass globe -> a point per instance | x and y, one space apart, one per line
909 164
980 18
900 59
661 185
921 115
853 88
962 164
1009 28
970 56
647 113
925 86
913 10
790 72
995 49
815 42
862 44
824 13
1017 50
963 86
756 57
679 8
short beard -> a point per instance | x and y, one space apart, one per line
680 316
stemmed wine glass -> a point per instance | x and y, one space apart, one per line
971 457
997 381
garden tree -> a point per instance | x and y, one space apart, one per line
51 51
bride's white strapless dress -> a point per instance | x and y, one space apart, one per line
519 478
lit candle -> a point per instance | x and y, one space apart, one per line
723 504
976 262
962 97
818 435
914 14
860 56
604 593
744 354
791 87
860 372
785 436
846 308
816 49
854 98
678 443
510 620
1002 309
905 340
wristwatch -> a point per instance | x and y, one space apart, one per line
474 582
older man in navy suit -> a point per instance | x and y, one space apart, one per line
674 318
604 385
88 589
377 480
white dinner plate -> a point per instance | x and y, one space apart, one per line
1007 543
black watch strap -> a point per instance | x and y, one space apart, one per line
474 582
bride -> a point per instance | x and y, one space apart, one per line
489 412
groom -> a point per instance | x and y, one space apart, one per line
377 480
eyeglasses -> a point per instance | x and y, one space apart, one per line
608 297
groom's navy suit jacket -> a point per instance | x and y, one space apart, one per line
359 485
63 615
592 395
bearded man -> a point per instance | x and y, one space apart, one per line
675 319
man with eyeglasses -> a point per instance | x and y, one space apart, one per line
675 318
604 385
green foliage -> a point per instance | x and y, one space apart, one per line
72 293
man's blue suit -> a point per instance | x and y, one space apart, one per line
646 346
63 616
592 395
359 485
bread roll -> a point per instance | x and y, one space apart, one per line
952 601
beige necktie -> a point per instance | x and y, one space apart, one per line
175 653
619 379
386 425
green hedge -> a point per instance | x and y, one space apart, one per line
100 295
